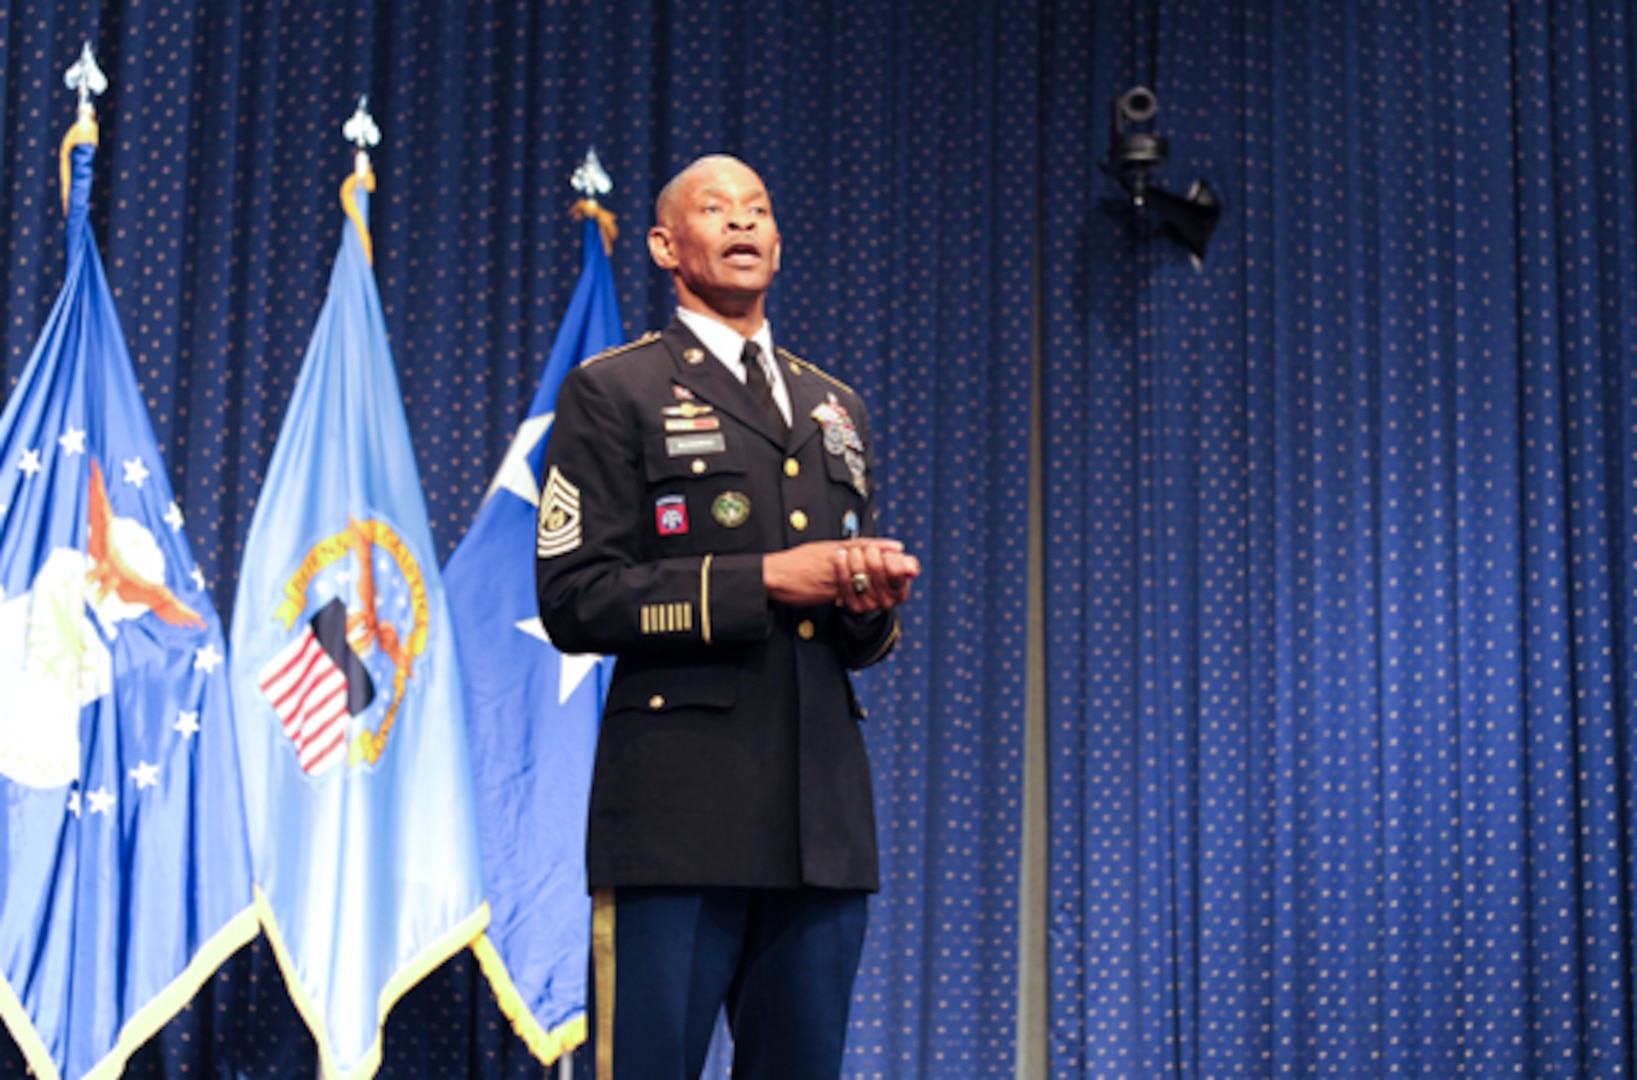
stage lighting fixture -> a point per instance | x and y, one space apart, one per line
1135 152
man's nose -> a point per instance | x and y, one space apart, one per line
741 220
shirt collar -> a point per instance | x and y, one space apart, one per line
726 343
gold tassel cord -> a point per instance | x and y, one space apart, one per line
84 133
607 223
349 203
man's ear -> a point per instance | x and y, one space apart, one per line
660 249
778 250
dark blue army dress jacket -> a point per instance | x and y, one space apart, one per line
730 752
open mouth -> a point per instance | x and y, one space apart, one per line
742 255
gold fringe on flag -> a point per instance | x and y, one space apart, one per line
546 1046
606 222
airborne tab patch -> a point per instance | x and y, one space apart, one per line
671 515
559 531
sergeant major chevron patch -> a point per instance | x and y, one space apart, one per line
559 523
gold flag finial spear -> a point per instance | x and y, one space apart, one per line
591 180
360 130
86 78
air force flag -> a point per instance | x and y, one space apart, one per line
124 871
347 693
533 714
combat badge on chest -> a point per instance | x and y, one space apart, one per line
689 416
841 440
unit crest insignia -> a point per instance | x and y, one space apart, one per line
731 509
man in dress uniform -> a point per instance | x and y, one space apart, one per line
708 517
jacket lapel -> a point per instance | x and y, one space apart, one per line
806 394
711 381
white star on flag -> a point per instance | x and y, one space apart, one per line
173 517
198 577
207 659
102 801
72 441
30 463
145 775
187 724
575 666
136 472
74 803
514 473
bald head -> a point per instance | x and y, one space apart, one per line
666 202
714 232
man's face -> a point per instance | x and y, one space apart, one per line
718 237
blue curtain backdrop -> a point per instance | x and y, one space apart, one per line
899 142
1341 544
1340 528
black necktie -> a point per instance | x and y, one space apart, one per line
756 382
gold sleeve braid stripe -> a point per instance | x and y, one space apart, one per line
705 598
675 617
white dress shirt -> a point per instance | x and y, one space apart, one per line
725 343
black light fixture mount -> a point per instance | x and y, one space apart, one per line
1135 152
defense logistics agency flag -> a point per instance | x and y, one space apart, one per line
347 693
533 715
124 873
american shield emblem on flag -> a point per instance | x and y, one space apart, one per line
316 685
357 611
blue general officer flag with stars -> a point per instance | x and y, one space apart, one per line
533 713
126 873
347 691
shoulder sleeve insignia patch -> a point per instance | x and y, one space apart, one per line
559 525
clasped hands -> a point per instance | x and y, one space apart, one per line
862 575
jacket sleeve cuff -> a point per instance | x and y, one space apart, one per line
732 599
865 639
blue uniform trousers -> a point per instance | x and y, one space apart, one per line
666 960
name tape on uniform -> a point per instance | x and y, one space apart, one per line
685 445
